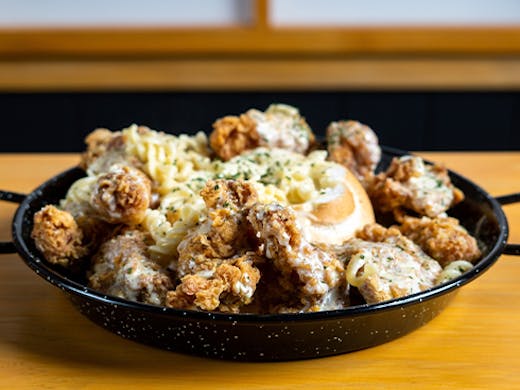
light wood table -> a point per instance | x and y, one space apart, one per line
474 343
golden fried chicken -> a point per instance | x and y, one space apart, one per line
314 274
280 126
227 288
383 264
122 195
354 145
123 268
57 235
410 184
97 142
443 238
216 270
224 233
106 148
228 194
232 135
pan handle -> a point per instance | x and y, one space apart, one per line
510 249
14 197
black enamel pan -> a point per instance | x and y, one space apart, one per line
273 337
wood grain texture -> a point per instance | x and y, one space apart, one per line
299 74
473 344
258 39
260 56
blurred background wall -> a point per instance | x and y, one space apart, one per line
425 75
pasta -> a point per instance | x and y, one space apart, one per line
453 271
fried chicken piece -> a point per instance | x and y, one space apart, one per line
354 145
57 235
375 232
97 145
106 148
383 264
280 126
443 238
410 184
122 195
232 135
123 268
309 271
229 287
230 194
224 234
216 270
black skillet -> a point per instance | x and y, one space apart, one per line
252 337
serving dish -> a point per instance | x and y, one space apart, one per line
274 337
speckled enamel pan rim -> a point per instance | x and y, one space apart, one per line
35 262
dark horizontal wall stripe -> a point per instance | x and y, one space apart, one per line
58 122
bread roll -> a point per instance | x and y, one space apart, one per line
335 216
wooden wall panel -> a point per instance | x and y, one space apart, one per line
260 57
432 74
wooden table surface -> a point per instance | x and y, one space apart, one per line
474 343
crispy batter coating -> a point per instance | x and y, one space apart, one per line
58 236
280 126
232 135
95 231
314 274
410 184
229 194
353 145
122 195
230 286
123 268
225 233
216 270
106 148
443 238
383 264
97 144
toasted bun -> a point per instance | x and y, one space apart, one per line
335 218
